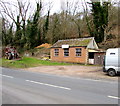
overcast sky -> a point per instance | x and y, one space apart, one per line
56 4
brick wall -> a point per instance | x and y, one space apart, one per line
72 55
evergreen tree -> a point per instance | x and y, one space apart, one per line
33 32
45 27
100 19
18 33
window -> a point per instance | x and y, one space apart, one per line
112 53
56 52
78 51
66 52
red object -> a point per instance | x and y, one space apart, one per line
11 53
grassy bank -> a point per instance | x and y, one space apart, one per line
27 62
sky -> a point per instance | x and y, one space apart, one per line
56 4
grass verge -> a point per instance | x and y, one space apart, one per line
27 62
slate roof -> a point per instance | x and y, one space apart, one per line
73 42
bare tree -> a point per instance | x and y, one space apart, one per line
17 15
85 8
23 8
74 12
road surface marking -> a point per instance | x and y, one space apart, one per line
6 76
49 85
113 97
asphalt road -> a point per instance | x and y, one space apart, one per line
23 87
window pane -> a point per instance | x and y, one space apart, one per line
78 51
112 53
66 52
56 52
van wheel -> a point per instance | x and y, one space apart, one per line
111 72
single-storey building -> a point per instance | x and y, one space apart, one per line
81 50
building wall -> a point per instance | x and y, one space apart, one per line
72 55
92 45
99 58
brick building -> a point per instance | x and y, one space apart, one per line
81 50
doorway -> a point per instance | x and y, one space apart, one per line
91 57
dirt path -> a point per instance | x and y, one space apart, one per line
93 72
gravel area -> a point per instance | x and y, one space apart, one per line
93 72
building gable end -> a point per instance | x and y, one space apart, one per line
92 44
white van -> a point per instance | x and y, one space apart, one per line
112 61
